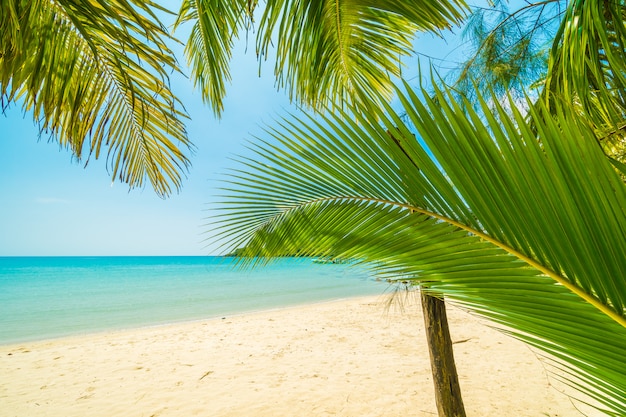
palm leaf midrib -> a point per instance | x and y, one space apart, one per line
606 308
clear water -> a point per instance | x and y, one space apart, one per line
48 297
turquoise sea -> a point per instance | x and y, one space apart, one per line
49 297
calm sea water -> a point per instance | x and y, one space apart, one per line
48 297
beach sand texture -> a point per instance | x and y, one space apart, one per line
351 357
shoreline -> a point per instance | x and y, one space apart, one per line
52 298
134 328
349 357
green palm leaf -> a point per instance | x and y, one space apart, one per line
95 75
216 25
526 232
588 65
330 50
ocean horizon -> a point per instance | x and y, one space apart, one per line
51 297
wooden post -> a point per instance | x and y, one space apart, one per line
445 378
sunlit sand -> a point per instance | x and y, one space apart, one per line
353 357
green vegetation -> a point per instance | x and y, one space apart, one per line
327 51
570 52
95 76
517 217
524 228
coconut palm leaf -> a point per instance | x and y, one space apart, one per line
588 64
95 75
527 231
330 50
216 25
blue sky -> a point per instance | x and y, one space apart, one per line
52 205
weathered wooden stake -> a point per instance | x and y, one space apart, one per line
445 378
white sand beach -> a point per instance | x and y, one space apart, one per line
352 357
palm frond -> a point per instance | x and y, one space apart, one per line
326 51
527 231
588 64
216 25
95 75
346 50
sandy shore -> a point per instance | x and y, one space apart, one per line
347 358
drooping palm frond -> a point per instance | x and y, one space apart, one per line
346 50
588 65
525 230
216 25
95 75
327 50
